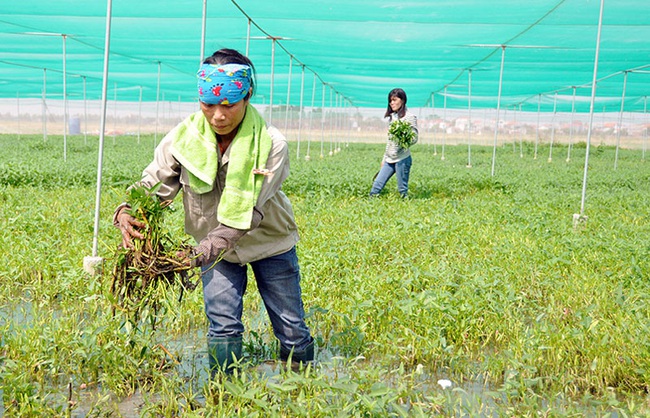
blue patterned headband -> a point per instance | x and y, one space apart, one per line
223 84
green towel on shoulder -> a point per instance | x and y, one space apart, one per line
248 151
194 145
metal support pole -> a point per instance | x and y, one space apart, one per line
550 150
203 30
155 137
573 112
578 218
91 263
469 118
300 110
433 134
620 120
272 79
286 113
539 107
330 121
645 132
114 112
347 117
322 122
444 121
521 139
18 112
496 128
311 117
139 113
339 121
85 113
65 103
248 37
44 105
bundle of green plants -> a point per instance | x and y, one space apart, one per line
401 133
154 259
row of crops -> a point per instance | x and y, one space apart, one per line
476 280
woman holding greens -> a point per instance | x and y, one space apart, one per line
230 166
402 133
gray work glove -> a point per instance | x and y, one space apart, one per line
219 240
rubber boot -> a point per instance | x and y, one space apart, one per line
298 358
220 353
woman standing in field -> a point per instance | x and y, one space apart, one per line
397 157
230 166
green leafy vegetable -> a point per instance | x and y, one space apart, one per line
153 259
401 133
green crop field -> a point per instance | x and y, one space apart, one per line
481 281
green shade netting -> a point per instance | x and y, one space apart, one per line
339 53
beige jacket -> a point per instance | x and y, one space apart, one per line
276 233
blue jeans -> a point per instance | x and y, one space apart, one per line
402 168
278 281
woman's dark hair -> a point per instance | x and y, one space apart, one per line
231 56
402 110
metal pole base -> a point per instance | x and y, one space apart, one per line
93 265
579 221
